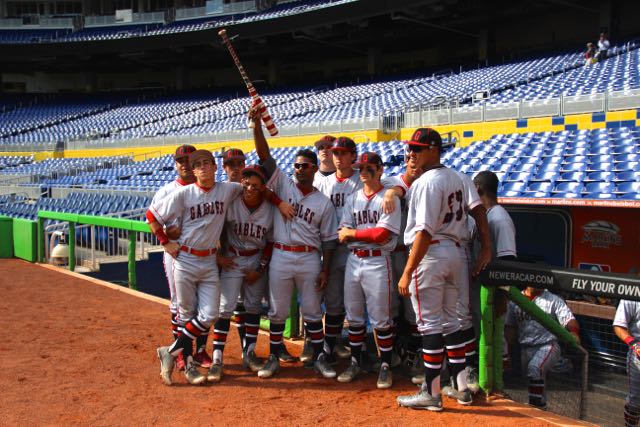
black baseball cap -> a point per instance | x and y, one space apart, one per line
232 154
183 151
368 158
344 143
257 170
200 155
426 137
325 140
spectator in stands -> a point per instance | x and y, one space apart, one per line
626 326
540 350
326 167
590 54
603 47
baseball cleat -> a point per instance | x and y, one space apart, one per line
215 373
285 357
322 366
421 400
192 374
341 351
349 375
202 359
250 361
180 362
307 351
167 362
472 380
270 368
385 377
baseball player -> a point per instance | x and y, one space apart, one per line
233 163
540 348
503 236
202 208
435 225
478 216
185 177
371 236
248 243
400 187
326 166
338 187
626 326
296 258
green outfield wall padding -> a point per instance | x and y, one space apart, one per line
6 237
25 244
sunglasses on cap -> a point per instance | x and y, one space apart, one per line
303 166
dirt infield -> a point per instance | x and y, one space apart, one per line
73 352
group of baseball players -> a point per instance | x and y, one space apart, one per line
375 251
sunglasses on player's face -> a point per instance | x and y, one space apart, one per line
416 148
324 147
302 166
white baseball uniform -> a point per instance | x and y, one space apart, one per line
400 253
337 190
463 307
298 242
167 260
247 234
369 274
540 348
437 206
202 214
628 317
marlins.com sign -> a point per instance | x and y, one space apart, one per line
601 234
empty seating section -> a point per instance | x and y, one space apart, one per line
120 31
598 164
122 118
618 73
82 203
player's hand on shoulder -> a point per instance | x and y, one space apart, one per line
172 248
389 201
252 276
226 262
323 280
403 285
286 210
346 234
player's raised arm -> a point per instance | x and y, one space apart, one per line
262 147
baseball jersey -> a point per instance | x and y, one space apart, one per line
503 232
319 176
246 230
202 212
530 332
314 221
338 189
437 205
362 212
165 190
628 317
